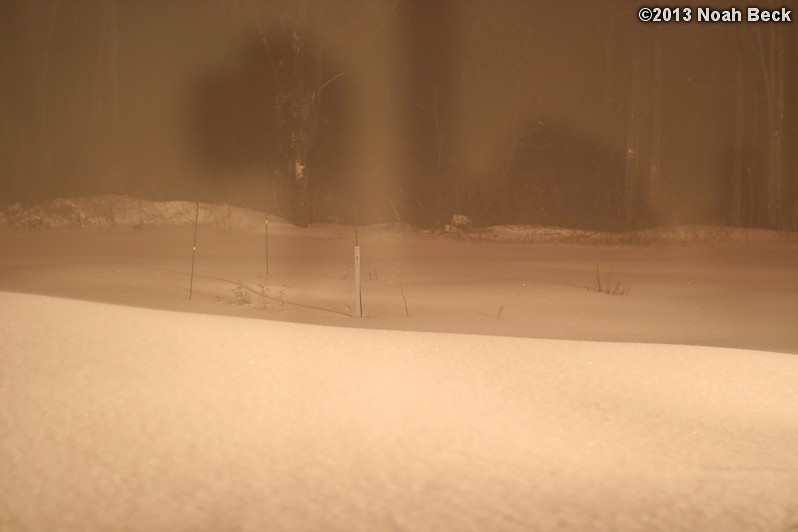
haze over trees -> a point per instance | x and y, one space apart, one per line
575 115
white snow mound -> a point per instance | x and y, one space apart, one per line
118 418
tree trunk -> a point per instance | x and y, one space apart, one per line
301 205
771 60
113 74
776 129
632 147
304 107
738 165
43 17
298 127
102 146
655 169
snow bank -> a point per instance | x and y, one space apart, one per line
675 235
111 211
116 418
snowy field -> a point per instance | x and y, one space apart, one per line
490 385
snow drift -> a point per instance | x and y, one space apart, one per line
118 418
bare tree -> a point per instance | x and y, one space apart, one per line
504 97
771 54
655 163
631 174
42 15
299 108
738 164
295 58
104 146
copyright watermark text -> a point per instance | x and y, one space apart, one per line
709 15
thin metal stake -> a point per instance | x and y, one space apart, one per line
358 294
358 297
267 243
193 253
356 242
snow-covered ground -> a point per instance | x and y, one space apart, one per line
119 413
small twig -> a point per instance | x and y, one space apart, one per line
318 92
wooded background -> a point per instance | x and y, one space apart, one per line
561 113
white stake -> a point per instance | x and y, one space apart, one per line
267 244
358 299
193 253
